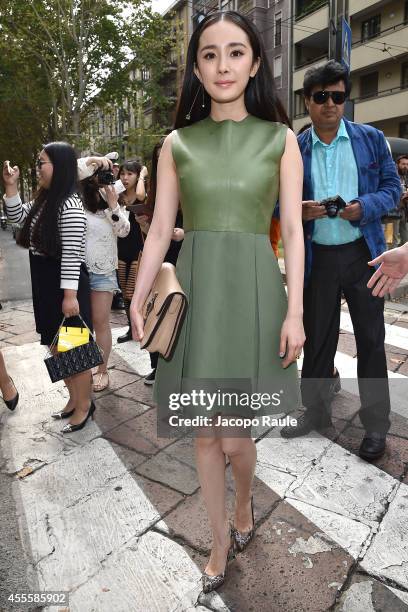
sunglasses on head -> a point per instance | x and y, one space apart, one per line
321 97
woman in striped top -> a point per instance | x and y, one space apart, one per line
54 232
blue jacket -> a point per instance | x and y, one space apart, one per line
379 186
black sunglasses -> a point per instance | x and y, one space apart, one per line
321 97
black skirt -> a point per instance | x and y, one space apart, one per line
48 297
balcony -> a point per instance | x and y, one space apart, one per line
299 74
387 104
371 51
308 23
358 6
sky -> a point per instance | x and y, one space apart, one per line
161 5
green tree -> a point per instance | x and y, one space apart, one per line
82 48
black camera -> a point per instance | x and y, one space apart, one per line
333 205
105 177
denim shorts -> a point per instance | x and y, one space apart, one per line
103 282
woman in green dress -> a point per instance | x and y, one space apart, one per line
229 159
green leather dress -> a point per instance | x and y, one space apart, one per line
229 182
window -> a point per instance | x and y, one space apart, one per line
369 85
145 74
371 27
278 29
403 129
300 108
277 71
404 75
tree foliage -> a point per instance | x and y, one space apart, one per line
60 57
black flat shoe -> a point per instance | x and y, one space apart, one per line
12 404
69 428
126 337
373 446
62 414
241 540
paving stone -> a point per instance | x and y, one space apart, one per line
387 555
117 380
87 532
345 405
395 359
137 361
139 434
4 334
351 535
71 478
130 459
347 344
301 567
183 450
112 410
293 456
403 369
399 425
138 390
190 520
393 461
343 483
366 594
171 471
152 573
27 446
13 317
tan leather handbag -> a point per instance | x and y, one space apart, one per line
163 313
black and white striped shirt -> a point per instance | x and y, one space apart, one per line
72 227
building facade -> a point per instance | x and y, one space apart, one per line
379 59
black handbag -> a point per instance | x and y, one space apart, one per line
76 360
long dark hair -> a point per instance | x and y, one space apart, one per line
151 196
45 236
261 99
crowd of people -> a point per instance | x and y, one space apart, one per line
214 185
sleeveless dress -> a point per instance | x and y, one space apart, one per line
229 183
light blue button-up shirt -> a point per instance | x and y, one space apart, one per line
334 172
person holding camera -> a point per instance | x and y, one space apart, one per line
106 221
350 182
54 226
400 226
133 176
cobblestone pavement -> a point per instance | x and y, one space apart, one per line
113 514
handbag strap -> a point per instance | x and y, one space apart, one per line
54 342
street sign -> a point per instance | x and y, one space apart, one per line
345 56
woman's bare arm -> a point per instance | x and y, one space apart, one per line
160 233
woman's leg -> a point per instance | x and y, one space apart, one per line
81 385
101 302
242 455
71 404
210 462
7 387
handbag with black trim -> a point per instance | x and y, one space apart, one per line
73 361
163 313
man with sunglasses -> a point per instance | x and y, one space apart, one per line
352 161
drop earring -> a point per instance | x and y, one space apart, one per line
188 116
203 102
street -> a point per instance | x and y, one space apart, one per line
113 515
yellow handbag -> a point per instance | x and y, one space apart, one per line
70 337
